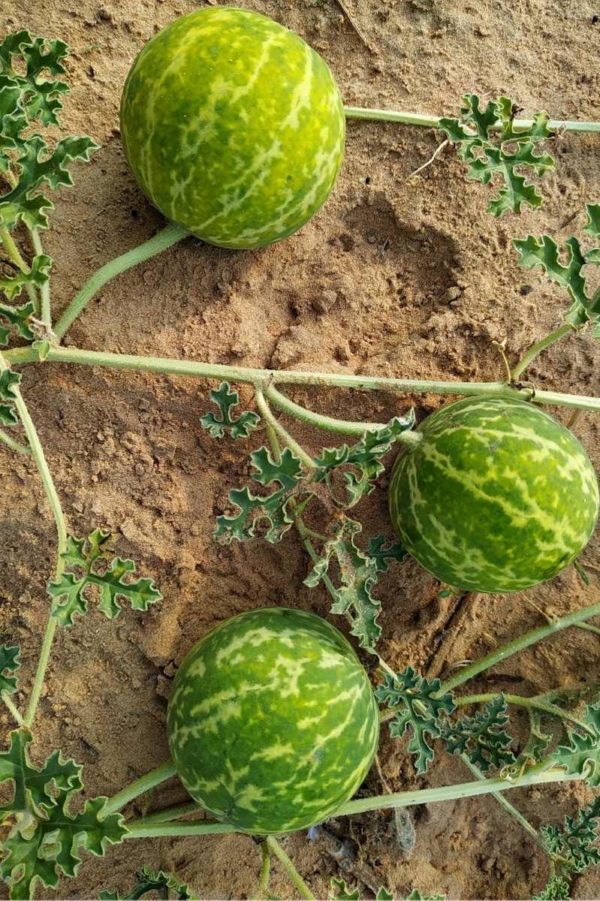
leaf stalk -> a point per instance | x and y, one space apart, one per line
291 871
518 644
140 786
539 346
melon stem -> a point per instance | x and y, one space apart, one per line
327 423
267 414
262 890
539 775
157 244
46 311
12 708
16 446
140 786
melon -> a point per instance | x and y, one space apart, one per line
234 127
272 721
496 497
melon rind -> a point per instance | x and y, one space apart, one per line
498 496
234 126
272 722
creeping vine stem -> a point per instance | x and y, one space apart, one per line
258 377
61 530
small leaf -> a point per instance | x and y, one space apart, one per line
238 427
164 884
9 380
481 737
35 788
41 97
17 319
13 122
52 848
544 252
340 891
38 165
272 510
287 471
9 665
582 756
593 223
575 845
420 711
363 459
381 552
38 276
358 575
70 593
493 150
565 267
556 889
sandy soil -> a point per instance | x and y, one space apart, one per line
392 277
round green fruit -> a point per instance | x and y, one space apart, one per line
272 722
497 496
234 127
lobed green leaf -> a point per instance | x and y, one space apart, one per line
45 837
38 275
495 151
34 788
358 574
51 847
272 511
70 593
575 845
482 737
17 321
362 462
39 165
40 95
556 889
9 666
226 400
165 884
544 253
340 891
419 710
582 755
381 552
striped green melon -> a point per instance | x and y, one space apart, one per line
272 721
233 126
497 496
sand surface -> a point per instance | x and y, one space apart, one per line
394 277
